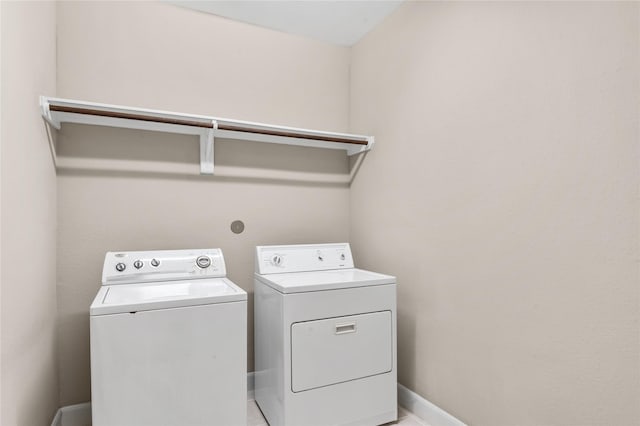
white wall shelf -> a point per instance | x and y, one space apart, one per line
57 111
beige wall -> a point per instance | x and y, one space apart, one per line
504 185
503 192
160 56
28 243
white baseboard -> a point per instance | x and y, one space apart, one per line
73 415
427 411
80 414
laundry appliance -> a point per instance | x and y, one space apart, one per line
168 341
325 338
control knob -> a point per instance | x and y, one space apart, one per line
203 261
276 260
120 267
155 263
137 264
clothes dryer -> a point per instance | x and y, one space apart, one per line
325 338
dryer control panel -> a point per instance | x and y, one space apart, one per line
129 267
303 258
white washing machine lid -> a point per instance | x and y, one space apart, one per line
299 282
122 298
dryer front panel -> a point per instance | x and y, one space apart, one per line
336 350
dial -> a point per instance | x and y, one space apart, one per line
120 267
203 261
276 260
138 264
155 263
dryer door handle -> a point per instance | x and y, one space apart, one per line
345 328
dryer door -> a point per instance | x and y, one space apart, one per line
335 350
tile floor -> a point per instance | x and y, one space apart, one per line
405 418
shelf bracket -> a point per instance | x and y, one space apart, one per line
46 113
361 148
206 149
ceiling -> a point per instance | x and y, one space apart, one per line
341 22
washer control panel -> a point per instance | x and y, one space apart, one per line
129 267
303 258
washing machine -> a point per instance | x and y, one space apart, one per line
168 341
325 338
